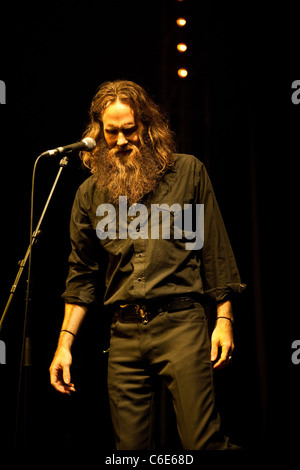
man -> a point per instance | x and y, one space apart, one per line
157 279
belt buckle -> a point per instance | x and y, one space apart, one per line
142 313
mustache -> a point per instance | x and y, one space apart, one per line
122 149
125 156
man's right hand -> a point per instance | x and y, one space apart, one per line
60 376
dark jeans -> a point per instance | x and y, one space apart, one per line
175 346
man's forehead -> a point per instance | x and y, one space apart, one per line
118 114
112 124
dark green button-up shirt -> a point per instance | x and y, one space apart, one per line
146 256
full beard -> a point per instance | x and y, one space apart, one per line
130 171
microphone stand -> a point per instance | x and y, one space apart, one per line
63 163
25 361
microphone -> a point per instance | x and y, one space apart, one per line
86 144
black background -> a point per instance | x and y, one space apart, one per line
234 112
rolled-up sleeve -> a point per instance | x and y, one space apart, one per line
220 275
83 265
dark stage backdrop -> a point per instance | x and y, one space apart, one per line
234 111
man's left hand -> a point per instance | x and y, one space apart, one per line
222 344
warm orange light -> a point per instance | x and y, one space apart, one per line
182 73
181 22
181 47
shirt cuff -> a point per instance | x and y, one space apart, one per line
83 300
226 292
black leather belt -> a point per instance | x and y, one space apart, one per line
143 313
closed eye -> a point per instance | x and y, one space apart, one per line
112 131
128 131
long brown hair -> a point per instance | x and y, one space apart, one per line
155 123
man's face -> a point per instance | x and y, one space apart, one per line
127 167
120 128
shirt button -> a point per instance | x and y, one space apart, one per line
139 279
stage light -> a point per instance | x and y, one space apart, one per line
182 73
181 47
181 22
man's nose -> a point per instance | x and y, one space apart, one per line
122 139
